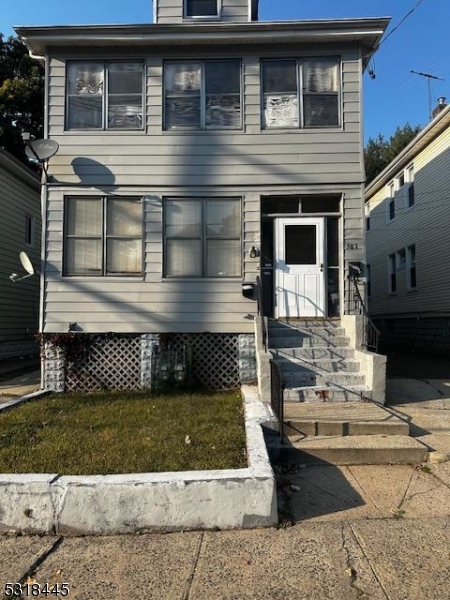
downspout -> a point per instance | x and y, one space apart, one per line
44 192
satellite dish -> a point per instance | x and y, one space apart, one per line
41 150
26 263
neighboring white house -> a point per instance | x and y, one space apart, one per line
20 230
408 248
196 154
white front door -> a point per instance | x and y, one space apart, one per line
299 267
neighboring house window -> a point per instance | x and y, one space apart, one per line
300 93
105 95
103 236
202 94
410 200
369 281
202 8
411 279
401 260
29 230
401 180
202 237
392 281
391 210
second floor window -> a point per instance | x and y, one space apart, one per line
105 95
202 94
301 93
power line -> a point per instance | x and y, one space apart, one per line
408 14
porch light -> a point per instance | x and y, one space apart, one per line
254 252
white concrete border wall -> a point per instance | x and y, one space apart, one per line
132 503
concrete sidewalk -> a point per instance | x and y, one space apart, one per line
20 385
346 533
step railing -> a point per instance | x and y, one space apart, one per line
371 333
277 386
265 335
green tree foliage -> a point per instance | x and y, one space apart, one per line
21 96
379 152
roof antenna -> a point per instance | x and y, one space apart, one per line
429 77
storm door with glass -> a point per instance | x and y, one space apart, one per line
299 267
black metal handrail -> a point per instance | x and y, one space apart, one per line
277 386
371 333
265 336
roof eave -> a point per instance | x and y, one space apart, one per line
366 31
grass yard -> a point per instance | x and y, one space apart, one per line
104 433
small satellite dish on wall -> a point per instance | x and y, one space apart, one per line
28 267
26 263
41 150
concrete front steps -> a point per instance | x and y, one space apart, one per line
317 361
350 433
329 416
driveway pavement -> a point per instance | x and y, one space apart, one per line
349 533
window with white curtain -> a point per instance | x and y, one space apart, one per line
202 94
103 236
202 237
301 93
104 95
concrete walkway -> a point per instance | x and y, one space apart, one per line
348 533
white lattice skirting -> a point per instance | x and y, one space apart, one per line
127 362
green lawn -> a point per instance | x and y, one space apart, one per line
103 433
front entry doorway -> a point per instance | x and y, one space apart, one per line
299 267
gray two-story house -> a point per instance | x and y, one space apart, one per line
196 155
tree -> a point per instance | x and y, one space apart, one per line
21 96
379 152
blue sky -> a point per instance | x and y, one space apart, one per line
394 98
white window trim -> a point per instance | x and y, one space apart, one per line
216 17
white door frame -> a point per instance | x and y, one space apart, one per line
300 288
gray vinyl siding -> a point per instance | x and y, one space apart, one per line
426 225
171 11
19 302
154 156
154 164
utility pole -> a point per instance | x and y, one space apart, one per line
429 77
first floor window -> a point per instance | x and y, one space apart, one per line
301 93
103 236
105 95
202 237
411 279
392 274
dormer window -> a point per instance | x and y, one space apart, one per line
206 9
